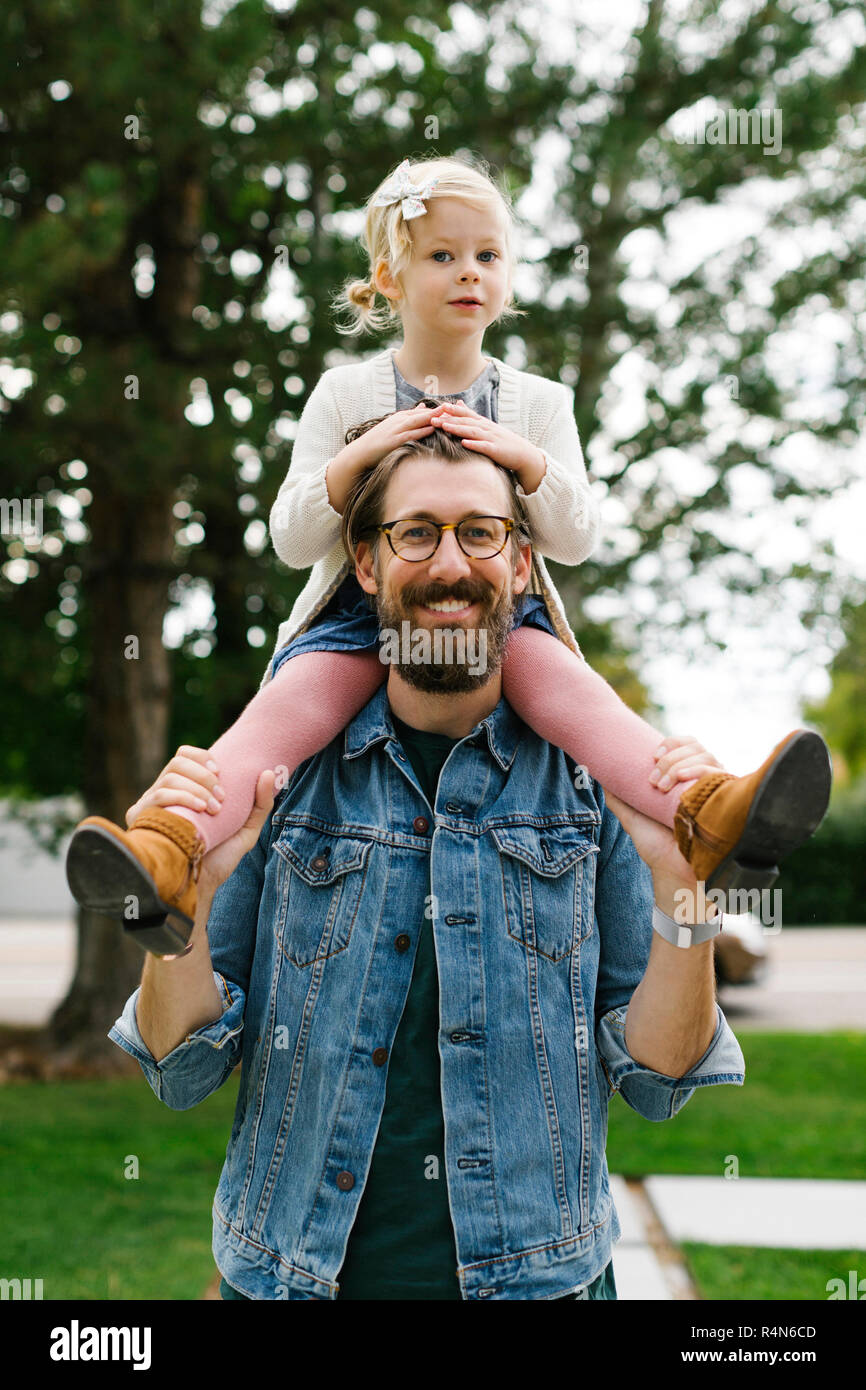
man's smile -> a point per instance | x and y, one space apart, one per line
453 607
451 604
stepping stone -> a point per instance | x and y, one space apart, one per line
789 1213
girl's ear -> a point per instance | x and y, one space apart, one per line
523 569
364 568
384 280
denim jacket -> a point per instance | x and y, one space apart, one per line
541 915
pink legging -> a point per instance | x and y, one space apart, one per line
316 694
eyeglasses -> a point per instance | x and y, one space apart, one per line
479 537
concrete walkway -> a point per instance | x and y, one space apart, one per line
646 1265
782 1213
785 1213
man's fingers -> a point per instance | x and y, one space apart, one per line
265 792
623 812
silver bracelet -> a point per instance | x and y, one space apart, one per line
681 935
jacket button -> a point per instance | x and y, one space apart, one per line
345 1181
380 1056
319 863
420 825
402 942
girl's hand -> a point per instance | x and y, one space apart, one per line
681 759
499 443
398 428
371 446
190 779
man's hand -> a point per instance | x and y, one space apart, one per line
190 779
672 874
654 842
499 443
220 862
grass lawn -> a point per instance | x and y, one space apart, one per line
800 1114
738 1272
69 1216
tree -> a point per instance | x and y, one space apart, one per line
156 179
840 714
166 180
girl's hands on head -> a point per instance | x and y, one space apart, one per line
681 759
190 779
398 428
371 446
500 444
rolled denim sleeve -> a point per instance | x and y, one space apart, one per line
651 1093
623 910
206 1058
197 1066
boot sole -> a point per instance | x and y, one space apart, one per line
103 874
788 807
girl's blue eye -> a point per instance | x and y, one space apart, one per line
448 253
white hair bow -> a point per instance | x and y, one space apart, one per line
400 188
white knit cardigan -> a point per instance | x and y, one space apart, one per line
305 528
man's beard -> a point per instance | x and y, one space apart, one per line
448 676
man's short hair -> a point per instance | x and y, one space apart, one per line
363 511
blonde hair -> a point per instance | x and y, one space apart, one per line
387 236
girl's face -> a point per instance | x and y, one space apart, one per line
460 253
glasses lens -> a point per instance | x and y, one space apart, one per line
482 536
414 540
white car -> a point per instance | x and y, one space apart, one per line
740 950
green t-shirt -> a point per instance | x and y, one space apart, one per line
401 1245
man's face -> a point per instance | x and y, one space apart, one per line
406 591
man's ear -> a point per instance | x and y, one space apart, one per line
523 569
364 562
384 280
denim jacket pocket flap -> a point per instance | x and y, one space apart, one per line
547 885
319 857
548 850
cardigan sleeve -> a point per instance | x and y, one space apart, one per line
562 511
304 526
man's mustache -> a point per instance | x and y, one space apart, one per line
425 594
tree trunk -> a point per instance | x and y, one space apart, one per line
129 707
125 590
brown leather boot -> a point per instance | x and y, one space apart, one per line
145 875
734 830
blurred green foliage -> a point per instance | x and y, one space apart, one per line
824 882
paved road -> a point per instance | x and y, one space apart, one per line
815 983
816 977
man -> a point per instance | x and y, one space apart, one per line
438 843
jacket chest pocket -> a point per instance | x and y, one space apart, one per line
548 879
321 879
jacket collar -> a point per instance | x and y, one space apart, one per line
373 724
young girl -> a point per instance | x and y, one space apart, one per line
439 240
